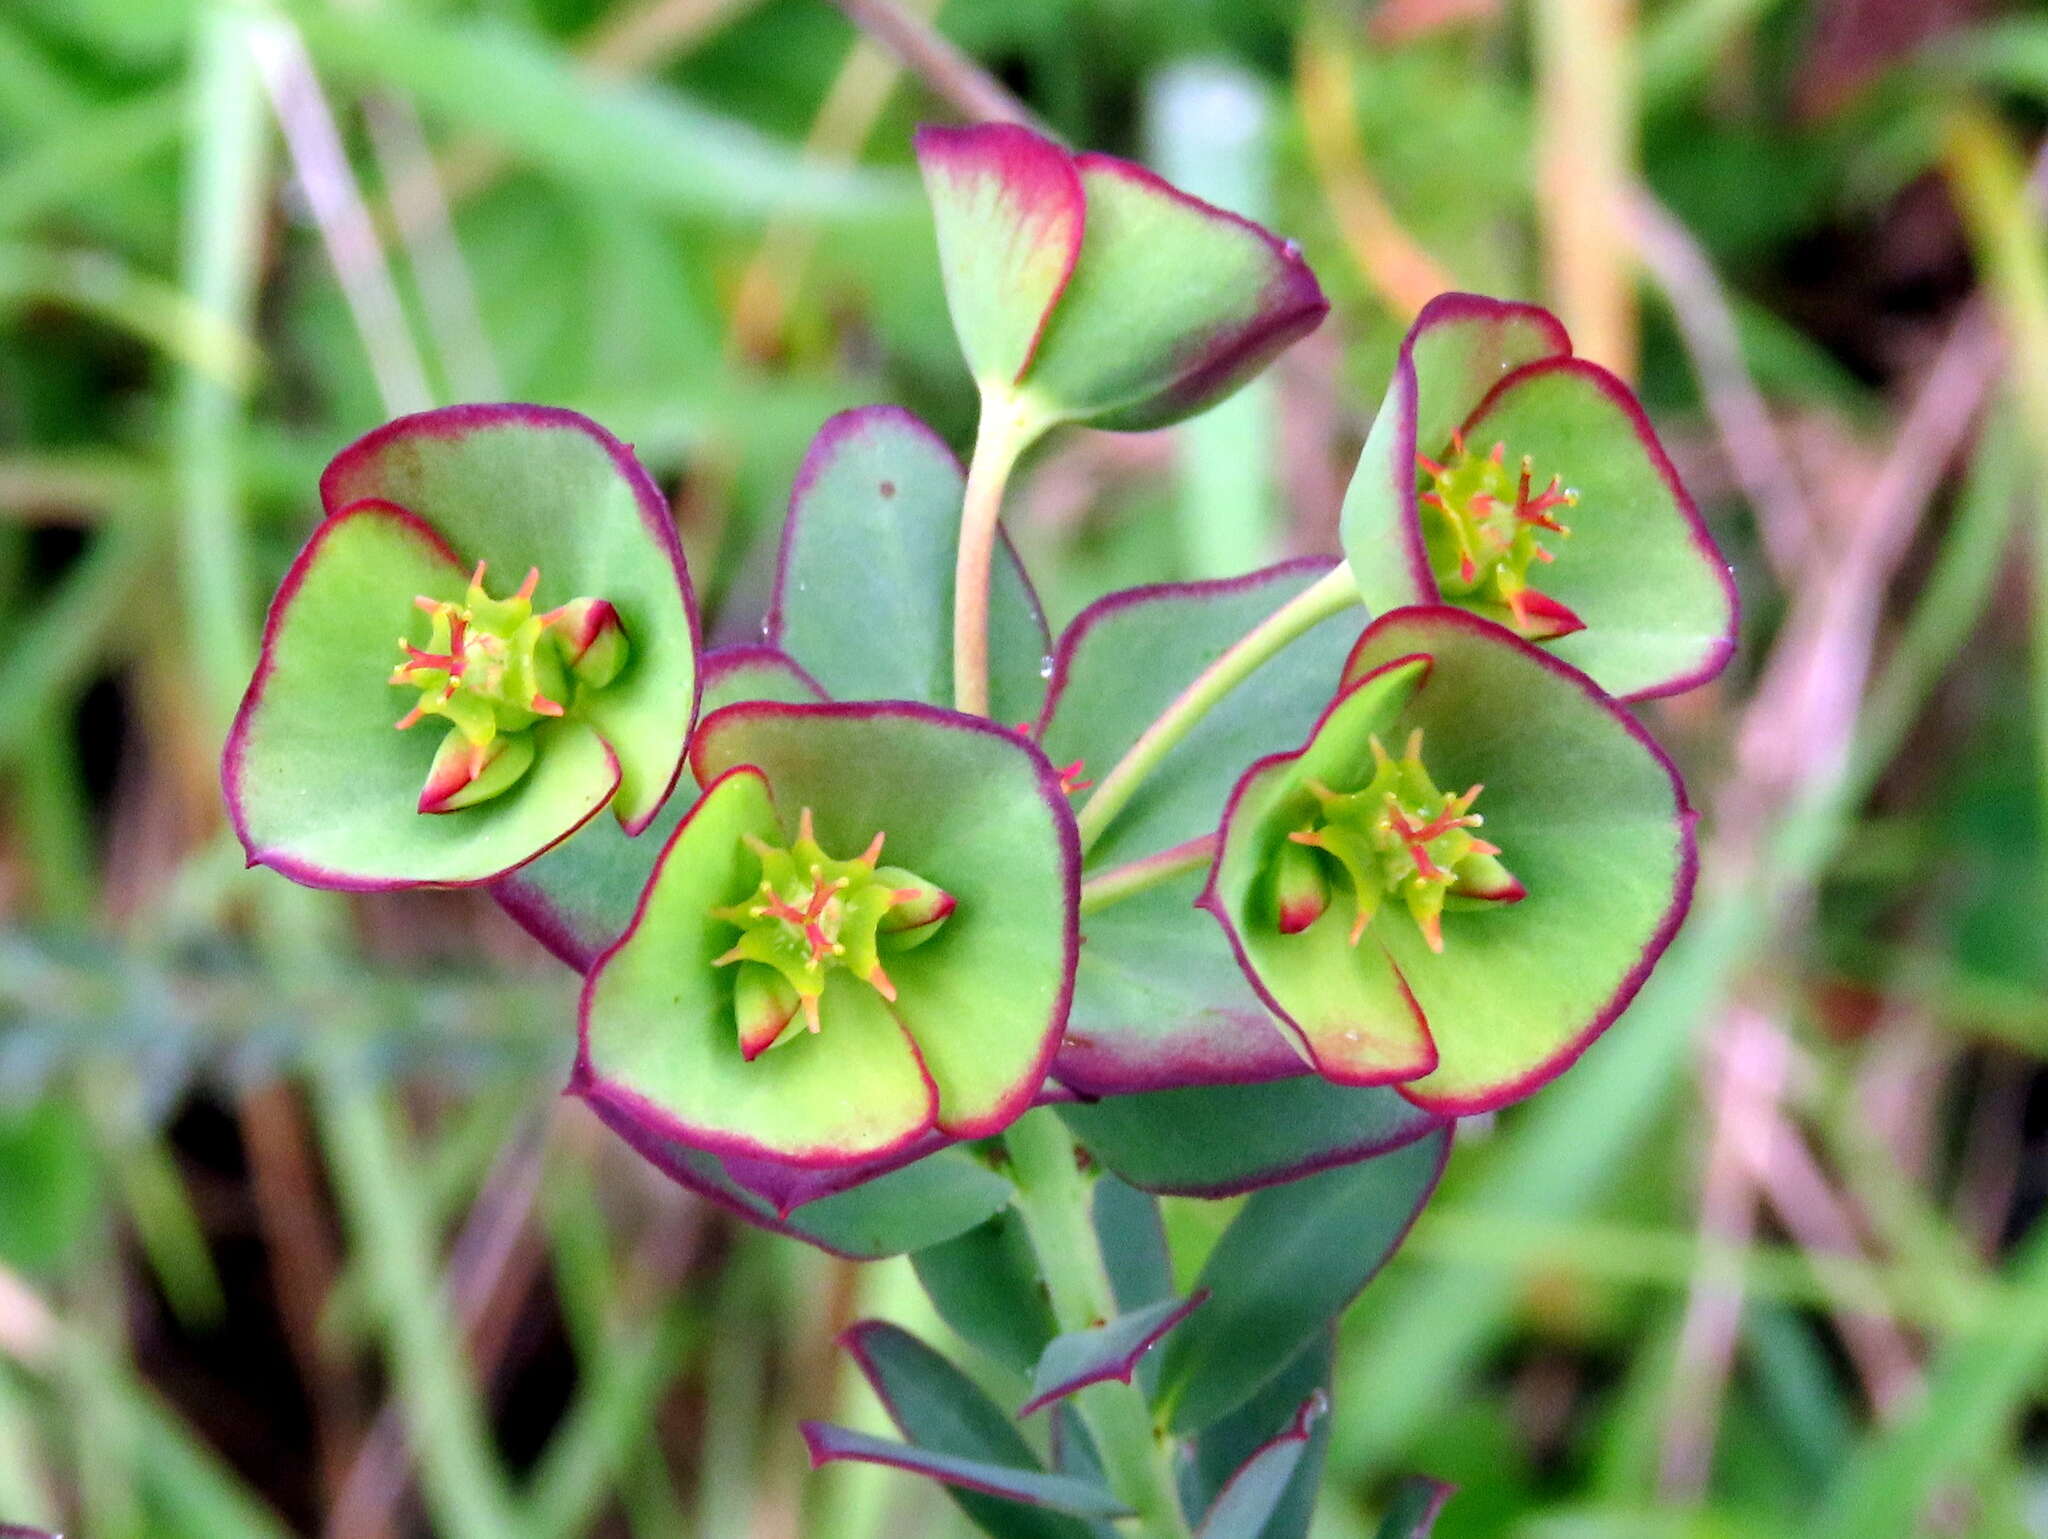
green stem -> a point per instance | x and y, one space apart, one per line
1133 877
1006 430
1330 594
1052 1199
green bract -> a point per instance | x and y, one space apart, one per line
529 710
1085 289
1508 477
1419 963
966 907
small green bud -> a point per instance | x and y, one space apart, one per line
765 1007
464 773
918 911
1301 891
591 638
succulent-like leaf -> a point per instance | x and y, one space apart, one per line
1245 1505
938 1408
864 592
534 486
578 898
1173 303
1158 1002
1132 1233
1595 825
984 1284
319 785
1009 212
1056 1493
1220 1140
974 808
1128 656
658 1039
1085 289
1646 597
1076 1359
1133 1238
1286 1267
1413 1512
1592 822
904 1209
1229 1443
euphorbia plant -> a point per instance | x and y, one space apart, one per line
914 958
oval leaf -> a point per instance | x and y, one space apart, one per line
659 1040
1218 1141
973 808
1173 303
1128 656
1008 209
864 592
320 786
1289 1263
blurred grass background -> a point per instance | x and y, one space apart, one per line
296 1236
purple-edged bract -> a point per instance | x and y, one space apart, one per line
1463 875
489 637
756 1006
1085 289
1506 476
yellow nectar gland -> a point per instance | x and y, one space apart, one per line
1398 836
812 915
1484 525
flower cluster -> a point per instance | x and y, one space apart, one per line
835 927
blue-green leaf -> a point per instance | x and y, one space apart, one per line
1289 1263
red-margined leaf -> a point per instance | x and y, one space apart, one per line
1034 1488
864 589
1289 1263
1112 1350
1228 1443
1250 1498
1220 1140
938 1408
579 897
1413 1511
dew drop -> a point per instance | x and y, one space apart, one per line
1045 667
1291 249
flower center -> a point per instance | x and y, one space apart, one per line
1397 836
812 915
1484 527
493 668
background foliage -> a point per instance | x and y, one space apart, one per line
293 1227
